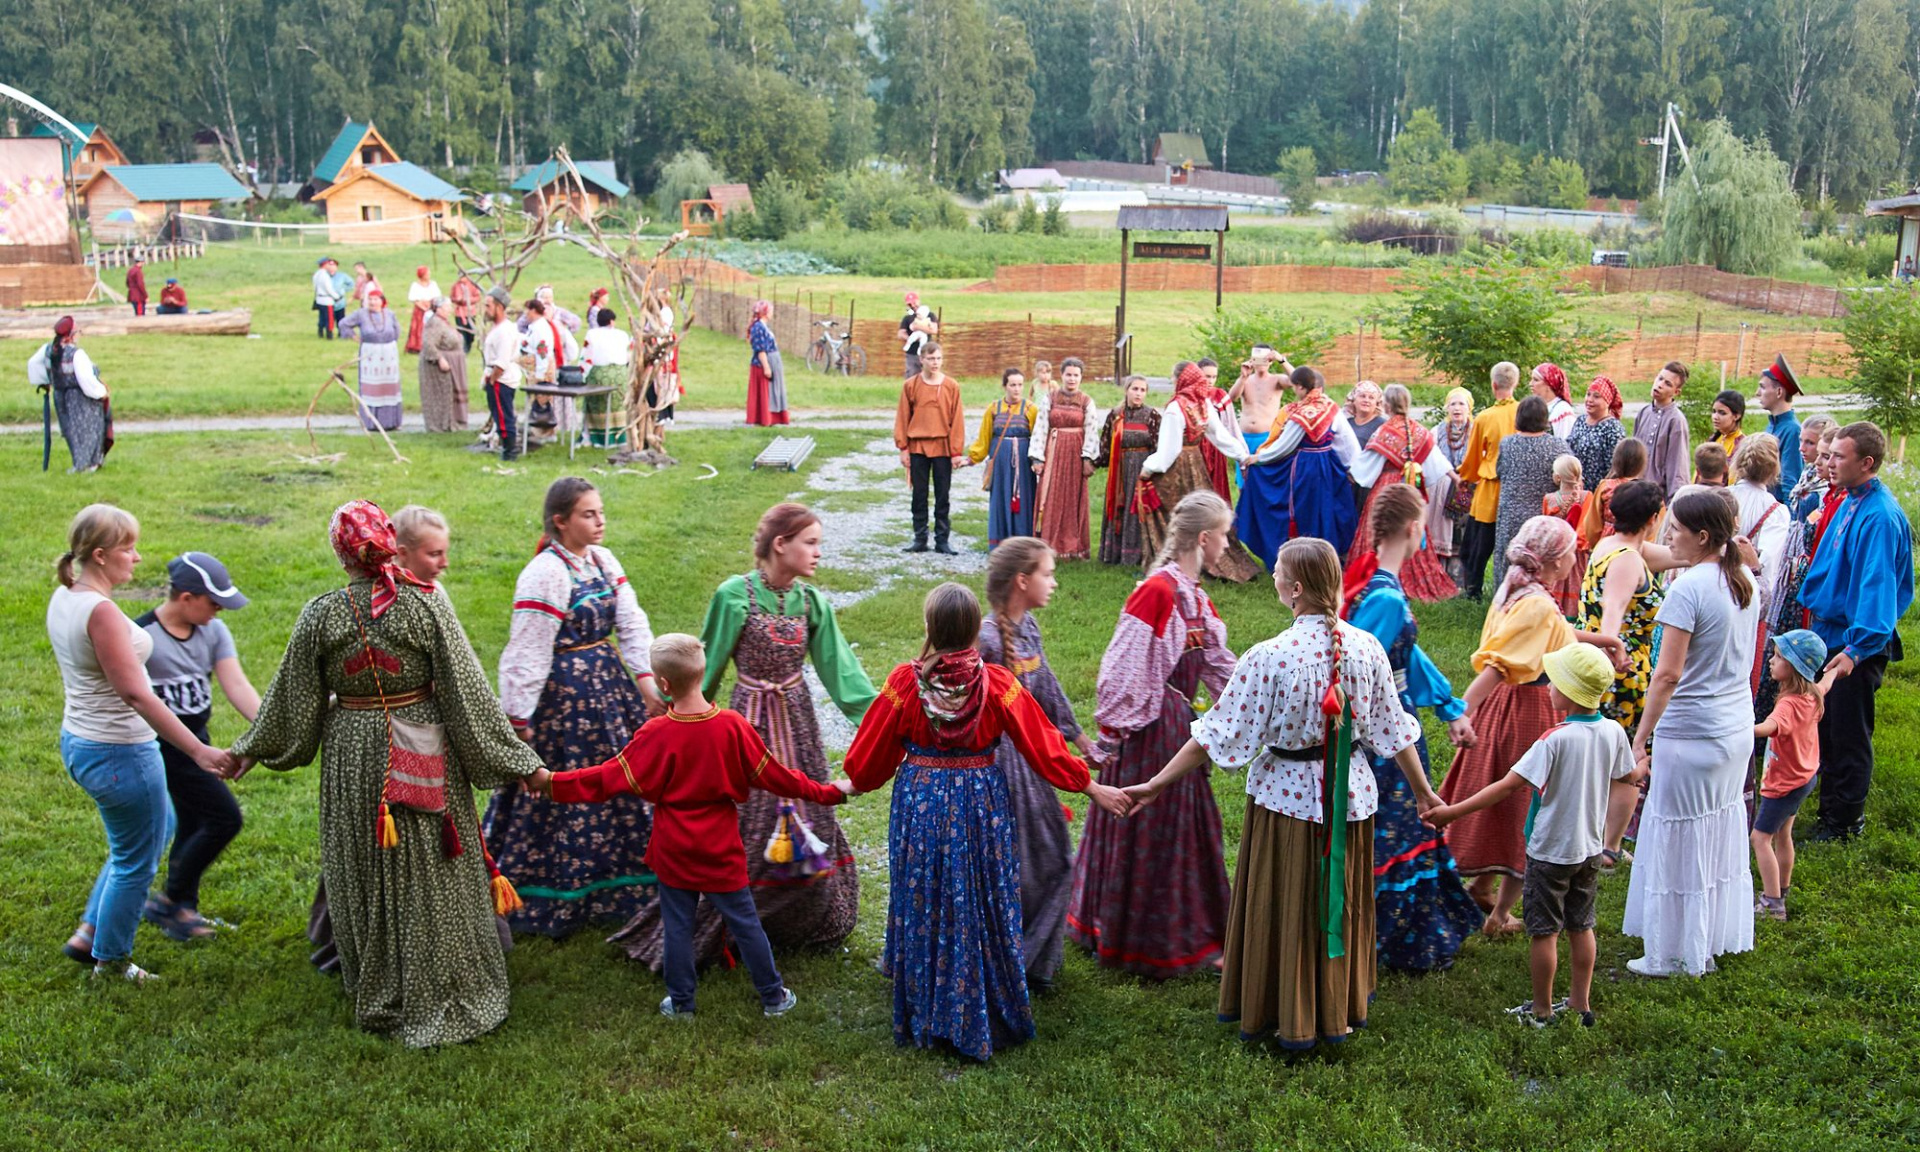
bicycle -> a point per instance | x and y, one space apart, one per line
841 354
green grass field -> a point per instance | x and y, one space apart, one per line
279 371
1810 1041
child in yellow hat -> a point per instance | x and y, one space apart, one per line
1572 769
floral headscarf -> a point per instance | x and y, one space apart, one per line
1555 378
1609 393
762 309
953 693
364 541
1191 384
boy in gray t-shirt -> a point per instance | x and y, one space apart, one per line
192 648
1572 770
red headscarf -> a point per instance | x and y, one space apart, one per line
762 309
1604 386
953 694
1555 379
363 539
1192 386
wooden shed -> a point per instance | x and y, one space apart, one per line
132 202
397 203
552 185
1907 252
1180 150
98 152
356 146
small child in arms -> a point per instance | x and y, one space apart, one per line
696 764
1792 733
1573 767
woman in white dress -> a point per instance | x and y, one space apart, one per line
1691 896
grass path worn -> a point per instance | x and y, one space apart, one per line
1810 1041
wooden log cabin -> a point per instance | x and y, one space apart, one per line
98 152
549 183
132 202
397 203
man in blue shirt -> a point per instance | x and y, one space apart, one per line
1778 387
1856 589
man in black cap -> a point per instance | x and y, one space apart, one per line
191 649
1778 387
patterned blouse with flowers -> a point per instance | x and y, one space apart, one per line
1148 641
542 599
1272 704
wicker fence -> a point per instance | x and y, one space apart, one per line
1759 293
1368 355
973 348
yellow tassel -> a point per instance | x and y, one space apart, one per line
389 836
781 851
506 901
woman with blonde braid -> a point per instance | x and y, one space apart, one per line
1508 705
1019 580
1300 938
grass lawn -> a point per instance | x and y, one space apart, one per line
1809 1041
277 373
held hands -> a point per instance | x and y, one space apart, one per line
1841 665
1139 796
650 693
1461 733
538 784
1085 746
1615 649
1440 815
1111 800
846 787
1748 555
1086 467
215 760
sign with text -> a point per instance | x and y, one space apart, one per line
1156 250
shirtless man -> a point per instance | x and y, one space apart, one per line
1259 392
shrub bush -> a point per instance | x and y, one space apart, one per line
1860 258
1230 333
1398 230
687 175
876 201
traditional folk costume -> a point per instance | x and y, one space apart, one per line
421 294
79 401
1491 425
1046 847
1126 439
443 393
607 353
697 771
1515 639
1298 484
1400 451
1300 939
769 635
1566 594
929 425
563 681
766 386
1423 911
953 945
1150 891
657 331
1191 457
1006 436
408 886
1061 440
466 297
1447 502
379 335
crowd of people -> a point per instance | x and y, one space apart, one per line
1676 663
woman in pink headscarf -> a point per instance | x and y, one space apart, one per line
1549 382
1596 431
766 378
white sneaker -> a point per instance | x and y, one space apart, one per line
1641 966
787 1001
125 969
668 1010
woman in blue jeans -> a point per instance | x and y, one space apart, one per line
107 735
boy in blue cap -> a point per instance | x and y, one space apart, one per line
1792 733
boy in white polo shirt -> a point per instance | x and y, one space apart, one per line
1571 769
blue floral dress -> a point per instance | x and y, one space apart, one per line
1423 913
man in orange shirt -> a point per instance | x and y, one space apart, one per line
929 428
1490 426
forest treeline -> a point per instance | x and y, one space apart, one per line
956 89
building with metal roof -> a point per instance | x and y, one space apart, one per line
391 203
356 146
546 187
130 202
97 152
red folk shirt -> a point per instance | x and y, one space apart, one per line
696 770
896 719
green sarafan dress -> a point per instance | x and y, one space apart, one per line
418 947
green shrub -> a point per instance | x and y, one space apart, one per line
1857 258
779 209
1299 178
1882 326
1422 166
1461 322
874 200
1550 247
1230 333
1053 222
1028 221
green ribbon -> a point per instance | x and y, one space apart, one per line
1333 805
581 893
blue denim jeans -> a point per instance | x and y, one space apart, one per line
736 908
129 783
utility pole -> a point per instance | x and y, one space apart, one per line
1669 136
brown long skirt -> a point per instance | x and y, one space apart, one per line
1277 979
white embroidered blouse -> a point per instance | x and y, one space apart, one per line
542 601
1273 701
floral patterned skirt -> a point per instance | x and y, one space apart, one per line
953 913
1150 892
1422 911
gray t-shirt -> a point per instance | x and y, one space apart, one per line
1571 767
182 670
1715 696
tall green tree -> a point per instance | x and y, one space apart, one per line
944 111
1422 165
1735 208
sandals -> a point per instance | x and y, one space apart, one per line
183 925
1611 858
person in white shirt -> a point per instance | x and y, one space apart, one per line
608 356
421 294
1549 382
70 387
326 298
501 355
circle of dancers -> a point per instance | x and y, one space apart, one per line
1680 667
